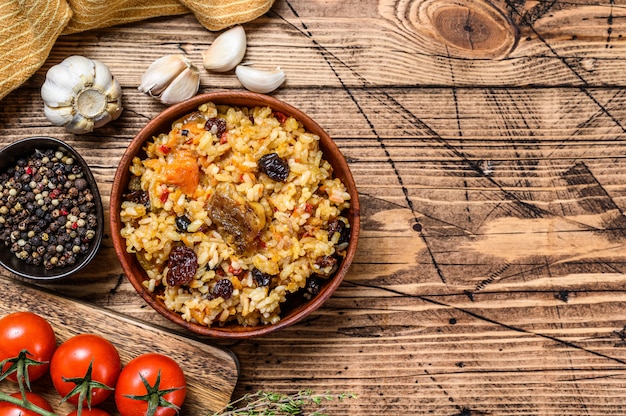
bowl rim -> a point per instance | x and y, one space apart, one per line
10 154
241 99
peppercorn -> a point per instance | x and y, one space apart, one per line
81 184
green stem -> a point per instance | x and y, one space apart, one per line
263 404
25 404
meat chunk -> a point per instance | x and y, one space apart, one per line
239 220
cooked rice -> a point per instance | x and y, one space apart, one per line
297 213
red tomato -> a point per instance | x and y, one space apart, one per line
72 360
150 366
87 412
27 331
10 409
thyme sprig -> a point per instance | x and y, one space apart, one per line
262 403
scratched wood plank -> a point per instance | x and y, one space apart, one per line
405 43
537 254
489 278
514 276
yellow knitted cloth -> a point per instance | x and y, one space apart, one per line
29 28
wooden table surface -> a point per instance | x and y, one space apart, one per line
488 144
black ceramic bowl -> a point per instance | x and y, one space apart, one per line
8 158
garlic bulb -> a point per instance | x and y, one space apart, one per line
81 94
171 79
226 51
260 81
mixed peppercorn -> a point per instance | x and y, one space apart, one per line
47 209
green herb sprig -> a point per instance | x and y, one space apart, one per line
264 403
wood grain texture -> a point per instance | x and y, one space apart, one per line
210 372
490 274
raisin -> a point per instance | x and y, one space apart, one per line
138 197
216 126
273 166
261 279
182 223
223 288
338 226
182 264
281 117
326 261
326 265
313 285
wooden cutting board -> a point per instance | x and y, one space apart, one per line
211 372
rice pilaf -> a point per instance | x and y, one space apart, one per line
231 212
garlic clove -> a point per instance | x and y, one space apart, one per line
114 109
257 80
112 112
164 72
104 119
80 69
54 93
105 82
184 86
80 125
103 79
226 51
160 73
114 92
59 116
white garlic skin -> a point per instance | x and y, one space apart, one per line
81 94
226 51
257 80
171 79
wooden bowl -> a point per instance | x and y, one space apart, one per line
162 124
25 148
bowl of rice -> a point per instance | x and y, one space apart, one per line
234 214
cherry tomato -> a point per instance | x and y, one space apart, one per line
151 366
89 412
72 360
10 409
27 331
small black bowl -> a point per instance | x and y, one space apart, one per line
8 158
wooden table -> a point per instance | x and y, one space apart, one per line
488 143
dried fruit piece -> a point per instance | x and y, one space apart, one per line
274 166
223 288
326 265
261 279
338 226
182 222
313 285
216 125
183 171
182 264
138 197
